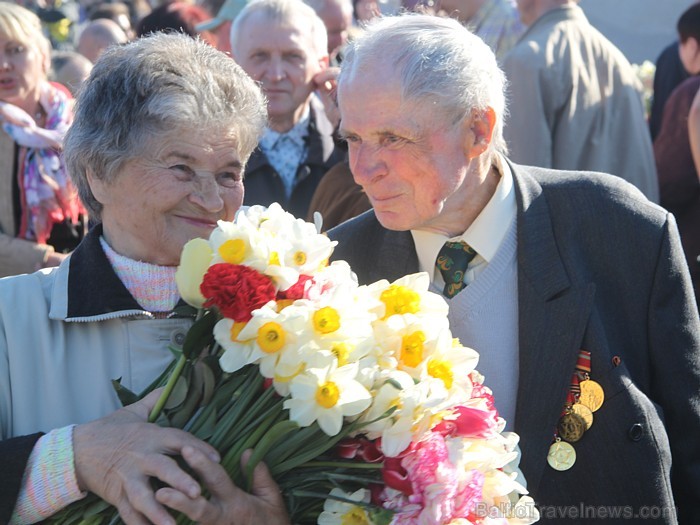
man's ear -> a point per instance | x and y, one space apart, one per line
480 131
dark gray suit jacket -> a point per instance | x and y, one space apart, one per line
599 268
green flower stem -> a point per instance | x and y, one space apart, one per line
271 437
341 464
168 389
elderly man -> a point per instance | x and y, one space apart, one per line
97 36
337 17
575 100
496 22
572 286
282 45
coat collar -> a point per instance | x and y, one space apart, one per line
86 286
319 140
553 313
556 15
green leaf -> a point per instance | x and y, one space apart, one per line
178 394
184 310
126 396
271 437
200 334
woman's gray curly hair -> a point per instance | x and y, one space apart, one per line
152 86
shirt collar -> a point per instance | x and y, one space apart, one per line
297 134
487 231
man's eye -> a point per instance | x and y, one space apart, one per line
229 178
389 140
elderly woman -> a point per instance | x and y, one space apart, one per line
163 129
41 217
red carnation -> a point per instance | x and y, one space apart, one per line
236 290
470 422
297 290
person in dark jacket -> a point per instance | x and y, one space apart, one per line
283 45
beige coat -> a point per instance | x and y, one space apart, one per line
575 103
16 255
65 333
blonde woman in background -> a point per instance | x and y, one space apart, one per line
41 217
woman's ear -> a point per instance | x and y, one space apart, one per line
480 131
98 187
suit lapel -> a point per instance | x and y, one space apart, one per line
553 313
397 255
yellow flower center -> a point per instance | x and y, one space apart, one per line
283 303
327 394
299 258
355 516
400 300
412 349
236 328
341 352
326 320
271 337
274 259
440 369
233 251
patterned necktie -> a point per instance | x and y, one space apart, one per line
452 261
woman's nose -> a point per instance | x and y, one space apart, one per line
207 194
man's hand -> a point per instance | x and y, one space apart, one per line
227 504
326 83
116 456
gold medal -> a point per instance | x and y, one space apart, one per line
561 456
592 395
571 427
584 412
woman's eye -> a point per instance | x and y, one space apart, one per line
183 170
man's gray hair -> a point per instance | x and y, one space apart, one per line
153 86
441 65
283 11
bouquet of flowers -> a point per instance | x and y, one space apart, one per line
382 414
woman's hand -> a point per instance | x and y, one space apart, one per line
116 456
227 504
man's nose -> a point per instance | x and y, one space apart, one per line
365 164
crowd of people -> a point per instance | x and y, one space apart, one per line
514 131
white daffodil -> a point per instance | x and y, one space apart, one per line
308 250
411 404
336 512
276 338
407 341
452 363
237 352
194 262
409 295
327 395
239 243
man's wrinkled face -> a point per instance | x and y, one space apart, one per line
413 167
281 55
